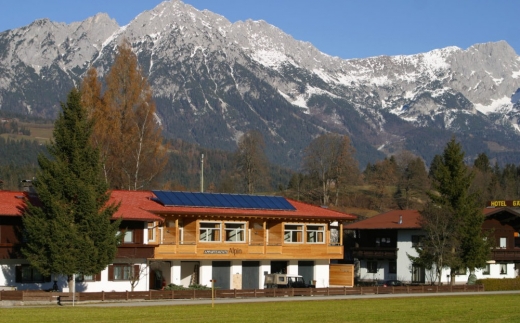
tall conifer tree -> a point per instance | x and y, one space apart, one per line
451 181
71 231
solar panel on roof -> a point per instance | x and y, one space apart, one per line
236 201
258 202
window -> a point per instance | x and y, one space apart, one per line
209 231
85 278
151 232
28 274
235 232
122 272
503 242
416 241
487 270
383 242
503 269
128 236
293 233
392 267
315 233
372 267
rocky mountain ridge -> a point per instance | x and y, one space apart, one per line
213 80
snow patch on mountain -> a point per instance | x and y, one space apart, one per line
495 106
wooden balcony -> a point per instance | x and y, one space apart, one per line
135 251
223 250
509 255
374 253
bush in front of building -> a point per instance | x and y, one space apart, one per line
497 284
191 287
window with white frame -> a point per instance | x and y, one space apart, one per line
293 233
487 270
209 231
235 232
315 233
503 269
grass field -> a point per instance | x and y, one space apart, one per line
40 132
478 308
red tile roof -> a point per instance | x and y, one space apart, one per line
389 220
143 206
134 205
145 200
11 203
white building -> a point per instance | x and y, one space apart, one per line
383 243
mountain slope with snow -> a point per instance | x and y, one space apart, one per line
213 80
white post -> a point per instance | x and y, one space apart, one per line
73 288
202 173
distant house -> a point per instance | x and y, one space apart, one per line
131 255
382 245
191 238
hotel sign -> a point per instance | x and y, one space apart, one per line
504 203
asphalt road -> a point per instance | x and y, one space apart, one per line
177 302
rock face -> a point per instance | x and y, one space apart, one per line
214 80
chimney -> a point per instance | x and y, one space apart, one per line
27 187
400 219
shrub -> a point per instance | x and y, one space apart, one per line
191 287
496 284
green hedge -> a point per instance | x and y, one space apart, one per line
494 284
194 286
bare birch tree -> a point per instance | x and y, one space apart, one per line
330 160
251 162
126 123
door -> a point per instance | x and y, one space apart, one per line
306 270
222 274
418 274
250 274
278 267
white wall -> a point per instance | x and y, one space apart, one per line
206 273
321 273
404 245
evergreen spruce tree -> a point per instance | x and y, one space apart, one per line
451 181
70 230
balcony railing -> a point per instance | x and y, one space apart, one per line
374 253
510 255
135 251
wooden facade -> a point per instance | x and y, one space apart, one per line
504 225
191 244
182 237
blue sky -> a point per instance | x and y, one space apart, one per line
344 28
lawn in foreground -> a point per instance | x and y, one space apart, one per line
477 308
